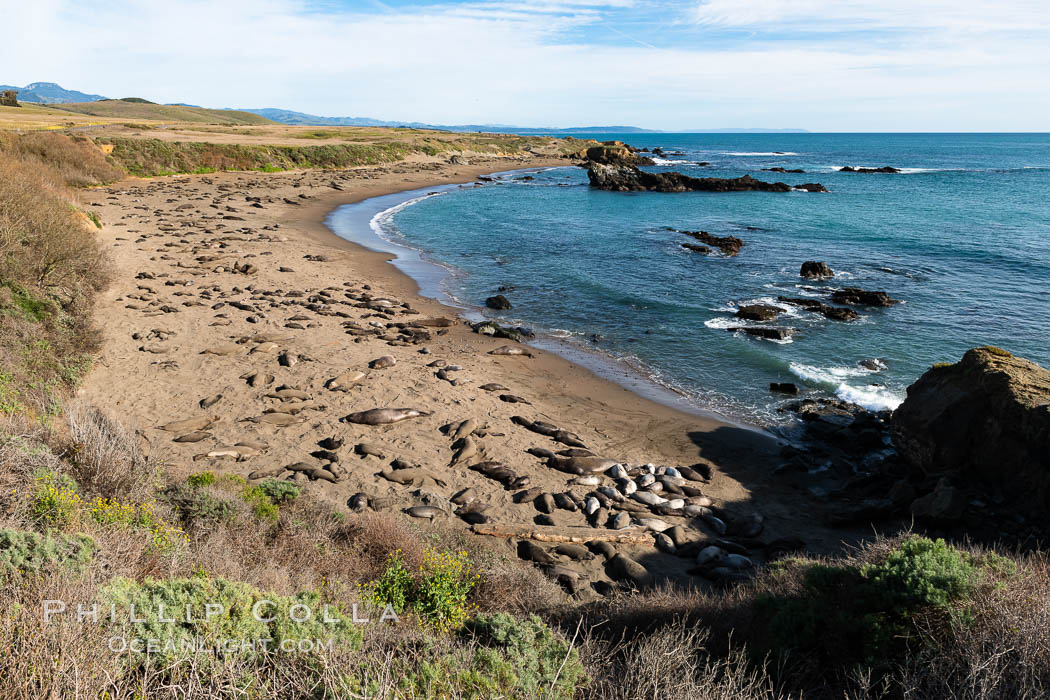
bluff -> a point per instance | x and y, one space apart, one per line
983 422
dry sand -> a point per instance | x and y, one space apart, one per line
177 243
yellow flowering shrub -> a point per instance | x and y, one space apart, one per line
439 593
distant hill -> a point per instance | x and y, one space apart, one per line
286 116
137 108
50 94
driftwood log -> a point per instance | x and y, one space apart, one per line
569 534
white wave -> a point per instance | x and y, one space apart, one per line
871 397
665 161
723 322
382 223
759 153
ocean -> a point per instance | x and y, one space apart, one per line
961 236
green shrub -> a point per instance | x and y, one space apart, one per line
238 620
263 499
395 585
846 615
922 573
29 552
260 503
541 663
279 492
196 506
201 479
439 593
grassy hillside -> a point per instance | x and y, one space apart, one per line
121 109
51 266
147 157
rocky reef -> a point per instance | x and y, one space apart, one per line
628 178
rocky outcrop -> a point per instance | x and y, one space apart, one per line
854 296
883 169
759 312
813 270
984 423
835 313
783 170
498 302
615 153
730 245
626 178
766 332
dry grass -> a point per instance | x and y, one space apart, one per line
105 456
51 268
77 159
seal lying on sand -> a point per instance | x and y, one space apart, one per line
187 425
510 350
384 416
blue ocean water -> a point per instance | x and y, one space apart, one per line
962 236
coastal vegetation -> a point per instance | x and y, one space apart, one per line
89 517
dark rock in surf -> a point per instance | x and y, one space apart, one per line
625 178
835 313
498 302
854 296
789 388
730 245
813 270
883 169
697 248
765 332
759 312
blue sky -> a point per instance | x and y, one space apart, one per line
823 65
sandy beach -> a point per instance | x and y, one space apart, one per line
230 285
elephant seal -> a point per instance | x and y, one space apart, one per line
510 350
429 512
382 362
384 416
210 401
187 425
277 419
344 381
288 395
195 436
493 387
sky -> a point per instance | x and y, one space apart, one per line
822 65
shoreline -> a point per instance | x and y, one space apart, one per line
180 296
382 265
429 276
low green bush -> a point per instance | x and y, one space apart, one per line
846 615
29 552
541 663
241 614
279 492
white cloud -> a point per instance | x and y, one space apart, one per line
513 62
841 15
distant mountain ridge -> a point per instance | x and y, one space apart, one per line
54 94
287 116
50 94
